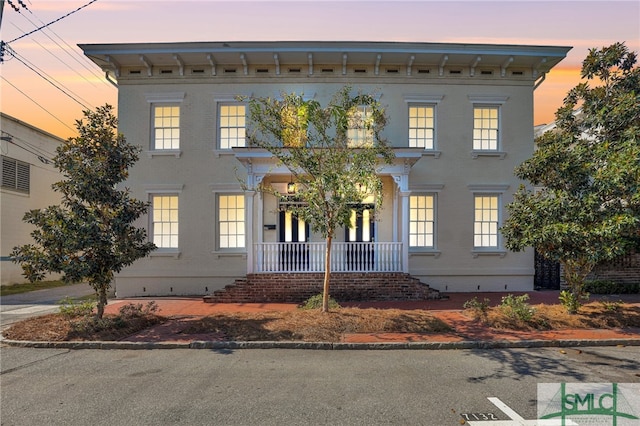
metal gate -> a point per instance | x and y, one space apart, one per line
547 275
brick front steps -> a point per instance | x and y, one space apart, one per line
298 287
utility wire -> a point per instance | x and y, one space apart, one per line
57 57
53 22
35 102
48 79
39 156
80 59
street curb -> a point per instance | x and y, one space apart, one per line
230 345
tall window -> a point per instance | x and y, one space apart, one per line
422 220
358 134
166 127
16 175
231 221
164 220
232 125
485 128
485 226
421 126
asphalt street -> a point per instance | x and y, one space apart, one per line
291 387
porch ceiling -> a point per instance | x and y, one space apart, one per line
259 161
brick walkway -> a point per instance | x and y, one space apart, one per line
449 310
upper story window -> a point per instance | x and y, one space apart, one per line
16 175
358 134
422 221
485 128
231 125
166 127
422 126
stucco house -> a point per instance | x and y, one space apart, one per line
461 119
27 176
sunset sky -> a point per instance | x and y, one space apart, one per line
53 52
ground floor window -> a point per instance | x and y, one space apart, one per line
486 223
231 221
422 221
164 223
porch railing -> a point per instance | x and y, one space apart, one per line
345 257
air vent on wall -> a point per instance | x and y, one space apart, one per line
166 71
230 70
455 72
360 70
517 73
423 71
327 70
393 70
486 72
134 72
262 70
198 71
294 70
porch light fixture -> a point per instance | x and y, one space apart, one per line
291 188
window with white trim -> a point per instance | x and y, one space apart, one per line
16 175
166 127
485 128
422 221
486 220
358 134
231 125
422 126
231 221
164 220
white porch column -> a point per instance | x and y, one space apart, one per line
248 205
402 180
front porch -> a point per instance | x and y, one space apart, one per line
349 257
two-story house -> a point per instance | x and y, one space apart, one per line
460 120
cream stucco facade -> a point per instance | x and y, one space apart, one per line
27 176
470 94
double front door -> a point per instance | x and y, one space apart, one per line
360 254
294 256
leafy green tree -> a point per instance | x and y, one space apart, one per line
586 205
89 236
334 170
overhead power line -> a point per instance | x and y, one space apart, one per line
35 102
53 22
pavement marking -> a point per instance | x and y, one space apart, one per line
517 419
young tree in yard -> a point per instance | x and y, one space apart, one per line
333 153
587 170
88 236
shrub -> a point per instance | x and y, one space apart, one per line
516 307
72 309
611 306
137 311
315 302
478 308
571 301
610 287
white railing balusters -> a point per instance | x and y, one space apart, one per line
345 257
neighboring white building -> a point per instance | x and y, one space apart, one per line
461 120
27 176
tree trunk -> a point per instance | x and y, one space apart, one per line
327 275
101 292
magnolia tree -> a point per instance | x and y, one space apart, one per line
586 207
333 153
89 236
